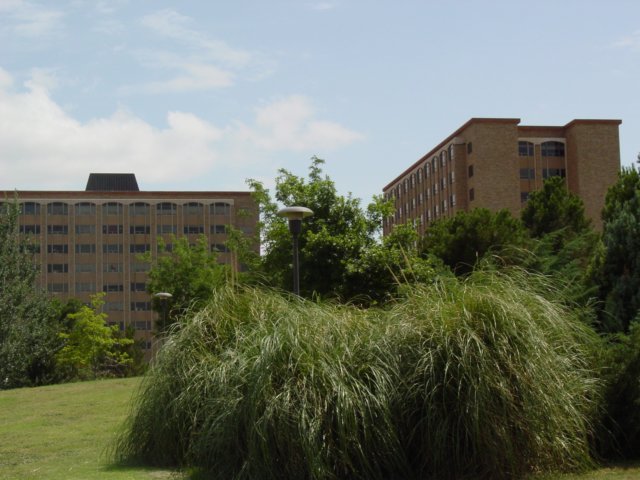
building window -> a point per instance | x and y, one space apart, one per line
112 248
29 208
85 287
142 324
57 268
452 177
443 158
193 229
469 147
219 247
427 170
111 229
553 172
57 208
452 199
58 248
470 170
443 184
57 287
138 208
472 195
451 153
31 248
112 208
139 248
192 208
166 208
85 267
527 173
140 306
85 229
57 229
221 208
112 267
524 196
138 287
139 229
113 306
85 248
219 229
167 229
112 287
434 165
30 229
552 149
85 208
140 267
525 149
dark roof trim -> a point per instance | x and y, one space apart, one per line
112 182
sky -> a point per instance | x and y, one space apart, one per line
203 95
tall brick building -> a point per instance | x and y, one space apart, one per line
496 163
90 241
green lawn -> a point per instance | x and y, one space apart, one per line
61 433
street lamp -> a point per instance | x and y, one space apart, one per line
164 298
295 216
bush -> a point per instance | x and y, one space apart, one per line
480 378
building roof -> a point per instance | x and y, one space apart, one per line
112 182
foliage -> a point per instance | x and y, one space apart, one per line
553 208
617 270
383 270
482 378
92 348
461 241
338 232
189 273
28 332
620 430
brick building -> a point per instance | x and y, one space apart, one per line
89 241
496 163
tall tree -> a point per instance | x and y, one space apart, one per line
553 208
339 231
190 273
462 240
28 330
619 265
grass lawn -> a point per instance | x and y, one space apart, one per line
61 432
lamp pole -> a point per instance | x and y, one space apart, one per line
164 298
295 216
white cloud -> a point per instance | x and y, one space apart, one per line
191 75
28 19
43 147
171 24
290 124
630 41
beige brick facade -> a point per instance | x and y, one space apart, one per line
89 241
495 163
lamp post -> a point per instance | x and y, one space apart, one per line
164 298
295 216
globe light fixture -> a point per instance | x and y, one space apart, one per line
295 215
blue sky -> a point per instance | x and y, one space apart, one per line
201 95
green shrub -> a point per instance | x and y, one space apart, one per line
480 378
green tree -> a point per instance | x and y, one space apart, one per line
462 240
554 208
338 233
617 270
28 330
189 272
92 348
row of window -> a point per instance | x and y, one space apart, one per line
115 208
547 149
530 173
112 248
409 207
118 229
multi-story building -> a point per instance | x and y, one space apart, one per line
496 163
90 241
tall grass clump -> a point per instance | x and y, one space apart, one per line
480 378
